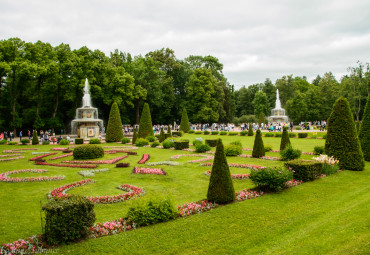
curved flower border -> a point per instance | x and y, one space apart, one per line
141 170
20 150
144 159
4 177
237 165
194 155
62 156
263 157
42 156
170 163
9 159
233 176
108 161
10 155
64 165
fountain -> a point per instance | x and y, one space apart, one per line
86 123
278 113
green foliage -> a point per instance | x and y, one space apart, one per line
215 133
134 137
284 139
290 153
317 150
25 141
269 134
145 125
150 138
329 169
114 129
198 132
168 143
3 141
151 211
223 133
140 142
268 148
260 103
64 142
364 133
125 140
243 133
175 133
79 141
88 151
233 150
191 132
94 141
221 188
202 148
169 131
184 125
302 135
35 139
68 219
278 134
271 178
258 147
238 143
43 143
342 141
197 141
233 133
291 135
211 142
250 130
180 145
304 170
161 136
154 144
206 132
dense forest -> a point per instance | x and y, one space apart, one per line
41 86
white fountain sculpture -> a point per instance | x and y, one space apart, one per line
278 113
86 123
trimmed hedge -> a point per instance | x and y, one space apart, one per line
68 219
125 140
95 141
233 150
233 133
364 133
25 141
3 141
291 135
305 170
140 142
202 148
206 132
177 133
258 147
114 128
64 142
269 134
161 136
278 134
211 142
134 137
179 145
284 139
317 150
223 133
35 138
88 151
191 131
243 133
215 133
302 135
184 124
198 132
271 178
168 143
79 141
250 130
290 153
145 125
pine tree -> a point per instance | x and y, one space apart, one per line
221 188
364 134
35 139
250 130
114 129
342 141
184 125
285 141
161 136
134 137
258 147
145 125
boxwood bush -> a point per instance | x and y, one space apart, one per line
88 151
64 142
150 138
94 141
291 135
191 132
215 133
202 148
243 133
168 143
211 142
154 144
290 153
233 133
140 142
198 132
3 141
271 178
277 134
305 170
302 135
269 134
25 141
317 150
43 143
125 140
206 132
79 141
177 133
223 133
182 144
197 141
232 150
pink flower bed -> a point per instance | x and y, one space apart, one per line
236 165
42 156
194 155
233 176
264 157
157 171
65 165
108 161
9 159
247 194
144 159
111 227
20 150
132 192
58 149
29 245
10 155
4 177
62 156
293 183
195 207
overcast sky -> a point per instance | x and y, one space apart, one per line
254 40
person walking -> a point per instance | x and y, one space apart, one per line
29 134
20 135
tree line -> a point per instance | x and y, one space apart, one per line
42 85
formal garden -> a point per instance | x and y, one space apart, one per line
233 193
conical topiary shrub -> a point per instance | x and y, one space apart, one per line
285 141
35 139
250 130
145 125
342 141
161 136
114 129
258 147
184 125
169 131
221 188
134 137
364 134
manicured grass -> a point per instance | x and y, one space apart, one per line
314 216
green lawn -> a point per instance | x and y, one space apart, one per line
329 215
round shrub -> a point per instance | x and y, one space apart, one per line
211 142
94 141
168 143
3 141
155 144
140 142
271 178
268 147
125 140
25 141
232 150
191 131
317 150
206 132
290 153
269 134
88 151
198 132
202 148
292 135
302 135
197 141
215 133
64 142
150 138
14 143
223 133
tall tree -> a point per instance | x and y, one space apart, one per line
261 104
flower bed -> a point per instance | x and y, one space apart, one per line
194 155
65 165
195 207
40 152
264 157
31 245
233 176
111 227
9 159
132 193
144 159
62 156
170 163
4 177
108 161
157 171
236 165
20 150
42 156
247 194
122 147
10 155
87 173
58 149
293 183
